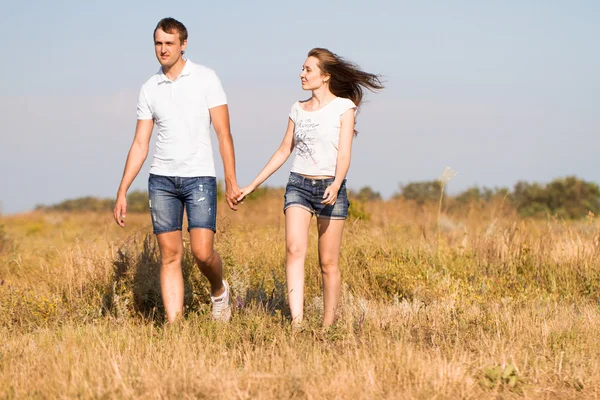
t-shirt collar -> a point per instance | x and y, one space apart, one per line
187 69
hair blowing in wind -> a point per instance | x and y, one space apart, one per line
347 79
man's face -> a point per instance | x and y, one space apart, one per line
168 47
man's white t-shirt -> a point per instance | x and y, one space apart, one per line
179 109
316 137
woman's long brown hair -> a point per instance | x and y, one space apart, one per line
346 80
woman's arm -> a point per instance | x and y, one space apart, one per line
277 160
343 157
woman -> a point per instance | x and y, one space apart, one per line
321 130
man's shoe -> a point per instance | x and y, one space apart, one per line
221 307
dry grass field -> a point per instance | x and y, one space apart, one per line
472 304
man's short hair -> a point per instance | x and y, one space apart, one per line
171 25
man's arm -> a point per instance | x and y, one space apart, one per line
220 120
135 159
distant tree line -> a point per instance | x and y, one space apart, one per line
567 197
137 201
87 203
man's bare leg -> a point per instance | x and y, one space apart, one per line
171 277
207 258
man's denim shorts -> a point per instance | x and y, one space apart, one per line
170 194
308 193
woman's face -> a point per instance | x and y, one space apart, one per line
311 76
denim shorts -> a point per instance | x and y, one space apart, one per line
308 193
170 194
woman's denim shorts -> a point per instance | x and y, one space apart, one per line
308 193
170 194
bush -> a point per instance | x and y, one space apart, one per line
473 195
4 240
87 203
220 190
476 194
358 210
137 201
568 197
421 192
366 193
259 193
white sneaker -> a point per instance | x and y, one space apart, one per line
221 307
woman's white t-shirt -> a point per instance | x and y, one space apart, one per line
316 137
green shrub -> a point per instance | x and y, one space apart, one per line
87 203
358 210
366 193
568 197
137 201
259 193
4 240
421 192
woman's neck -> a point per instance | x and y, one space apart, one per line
322 96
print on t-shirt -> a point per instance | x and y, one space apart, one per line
305 138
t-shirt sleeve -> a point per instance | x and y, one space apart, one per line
346 105
215 95
143 108
293 113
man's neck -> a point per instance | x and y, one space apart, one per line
174 70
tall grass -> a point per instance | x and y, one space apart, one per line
507 308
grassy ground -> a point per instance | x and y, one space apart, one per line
499 307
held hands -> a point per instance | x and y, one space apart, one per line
330 195
232 192
245 192
120 210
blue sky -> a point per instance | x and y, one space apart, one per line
500 91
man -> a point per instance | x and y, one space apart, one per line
181 99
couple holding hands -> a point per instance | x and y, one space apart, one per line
182 99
